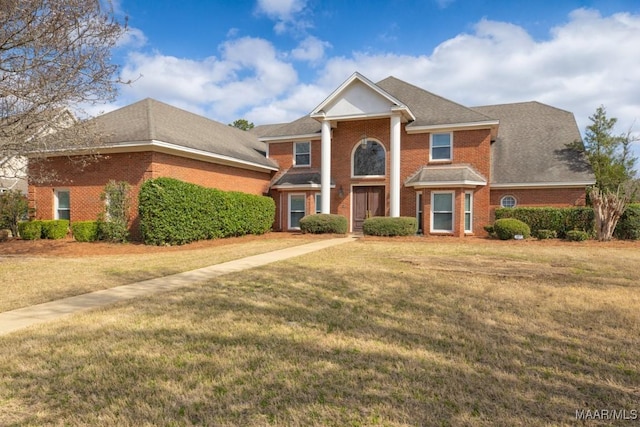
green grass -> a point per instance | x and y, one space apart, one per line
367 333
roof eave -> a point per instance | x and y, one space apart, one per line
488 124
290 138
542 185
168 148
446 184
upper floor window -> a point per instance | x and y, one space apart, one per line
302 154
440 146
369 159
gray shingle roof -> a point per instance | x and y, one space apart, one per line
442 175
302 126
151 120
299 178
532 145
429 109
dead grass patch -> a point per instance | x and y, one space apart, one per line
392 333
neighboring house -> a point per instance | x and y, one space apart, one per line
393 149
12 175
369 149
145 140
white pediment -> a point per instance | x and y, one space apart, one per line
358 98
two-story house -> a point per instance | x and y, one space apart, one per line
369 149
393 149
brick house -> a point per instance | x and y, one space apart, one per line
369 149
393 149
145 140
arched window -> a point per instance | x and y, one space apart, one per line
369 159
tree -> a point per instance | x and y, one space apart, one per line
13 209
242 124
610 155
608 207
54 56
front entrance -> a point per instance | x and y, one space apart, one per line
367 202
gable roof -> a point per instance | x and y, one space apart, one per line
426 110
154 123
532 146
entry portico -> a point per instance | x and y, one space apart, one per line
360 99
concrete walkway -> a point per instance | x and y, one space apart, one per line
21 318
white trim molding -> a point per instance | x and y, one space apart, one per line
541 185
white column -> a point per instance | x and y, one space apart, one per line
325 167
394 181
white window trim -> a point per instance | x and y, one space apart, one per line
289 209
470 212
453 211
431 159
295 153
353 155
56 206
317 198
515 201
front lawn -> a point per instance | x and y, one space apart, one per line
374 332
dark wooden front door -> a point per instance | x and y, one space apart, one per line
367 202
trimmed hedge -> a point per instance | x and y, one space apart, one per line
388 226
559 220
577 236
55 229
324 223
174 212
628 226
30 230
85 231
508 228
543 234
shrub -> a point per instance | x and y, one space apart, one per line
85 231
508 228
628 226
543 234
324 223
113 223
173 212
577 236
30 230
559 220
387 226
13 209
55 229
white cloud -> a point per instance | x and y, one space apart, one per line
132 38
246 74
310 49
286 13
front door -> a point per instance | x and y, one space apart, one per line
367 202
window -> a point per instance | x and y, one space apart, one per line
419 206
296 209
468 212
440 146
302 154
318 203
442 212
62 205
508 202
369 159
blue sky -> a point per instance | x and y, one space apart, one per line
274 60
